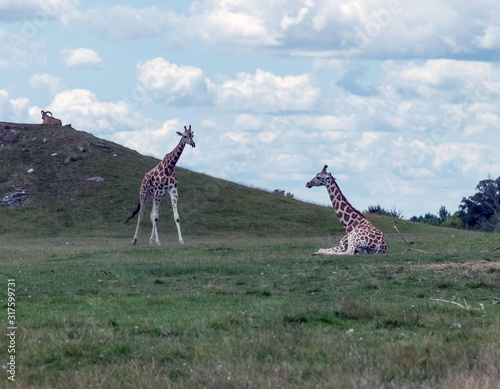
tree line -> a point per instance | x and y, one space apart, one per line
481 211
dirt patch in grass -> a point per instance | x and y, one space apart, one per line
465 268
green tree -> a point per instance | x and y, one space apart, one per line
443 214
482 210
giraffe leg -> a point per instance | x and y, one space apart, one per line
174 197
155 213
344 248
139 217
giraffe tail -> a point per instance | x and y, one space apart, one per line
133 213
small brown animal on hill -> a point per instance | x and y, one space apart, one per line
47 118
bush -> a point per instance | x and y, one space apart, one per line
453 221
433 220
377 209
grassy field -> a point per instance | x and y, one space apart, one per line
243 304
253 312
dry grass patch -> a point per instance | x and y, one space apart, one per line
464 268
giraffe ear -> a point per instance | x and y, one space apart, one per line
178 133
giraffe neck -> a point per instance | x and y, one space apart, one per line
171 158
347 214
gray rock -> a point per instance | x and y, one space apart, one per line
11 136
96 179
18 197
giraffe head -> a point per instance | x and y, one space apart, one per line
322 179
187 136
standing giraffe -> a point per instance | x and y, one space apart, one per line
158 182
361 236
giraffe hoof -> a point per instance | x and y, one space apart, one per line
134 242
181 242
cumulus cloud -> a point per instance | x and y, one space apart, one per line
151 141
266 92
235 23
396 133
172 83
82 57
19 107
260 92
84 111
4 95
368 29
442 74
53 84
490 39
365 29
468 159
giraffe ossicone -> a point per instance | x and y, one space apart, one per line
158 182
361 236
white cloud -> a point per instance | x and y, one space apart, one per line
246 121
3 43
440 73
288 20
266 92
396 29
122 22
467 158
261 92
328 123
84 111
238 137
151 141
483 121
24 48
490 39
53 84
20 107
366 29
82 57
4 98
235 23
171 83
35 10
4 95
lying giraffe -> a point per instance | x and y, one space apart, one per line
361 236
160 181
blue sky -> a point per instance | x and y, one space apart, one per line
400 98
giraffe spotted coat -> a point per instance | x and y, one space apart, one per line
361 236
157 183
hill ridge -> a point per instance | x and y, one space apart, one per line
53 164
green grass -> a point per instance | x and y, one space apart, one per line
254 313
243 304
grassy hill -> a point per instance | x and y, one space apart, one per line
53 164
